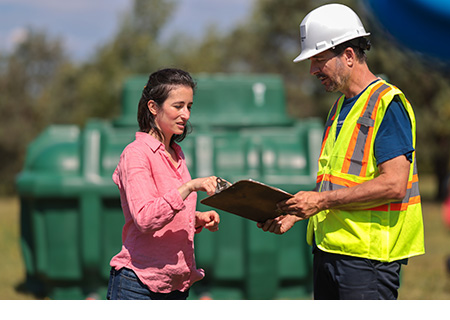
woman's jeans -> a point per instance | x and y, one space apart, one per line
125 285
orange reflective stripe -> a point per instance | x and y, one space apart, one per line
324 139
329 122
370 133
367 112
396 206
384 207
351 148
415 178
335 182
342 182
319 178
415 200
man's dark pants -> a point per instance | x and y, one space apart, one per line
340 277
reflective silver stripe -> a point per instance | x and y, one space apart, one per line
365 121
328 185
410 193
368 122
415 165
414 190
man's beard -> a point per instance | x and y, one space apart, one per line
337 82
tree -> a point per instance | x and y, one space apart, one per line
40 86
24 76
93 89
426 83
269 41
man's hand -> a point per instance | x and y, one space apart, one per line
280 224
300 207
389 185
303 204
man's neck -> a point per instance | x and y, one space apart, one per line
359 80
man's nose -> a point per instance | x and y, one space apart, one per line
313 69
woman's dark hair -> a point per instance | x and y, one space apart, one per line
158 87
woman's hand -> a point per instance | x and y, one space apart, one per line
207 185
209 220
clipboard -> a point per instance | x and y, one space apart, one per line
249 199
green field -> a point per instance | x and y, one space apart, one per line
425 277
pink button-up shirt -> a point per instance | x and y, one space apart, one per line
158 235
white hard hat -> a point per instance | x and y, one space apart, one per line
326 27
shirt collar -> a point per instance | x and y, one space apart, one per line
149 140
154 143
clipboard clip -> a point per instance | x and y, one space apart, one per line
221 184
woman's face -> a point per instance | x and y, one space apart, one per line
172 116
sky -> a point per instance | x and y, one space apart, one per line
85 24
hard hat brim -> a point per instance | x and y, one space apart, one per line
306 54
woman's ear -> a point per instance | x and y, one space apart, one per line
153 107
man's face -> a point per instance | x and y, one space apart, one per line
330 70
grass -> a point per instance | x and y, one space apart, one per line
424 278
12 269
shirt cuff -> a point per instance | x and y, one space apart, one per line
174 199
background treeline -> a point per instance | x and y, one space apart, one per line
40 85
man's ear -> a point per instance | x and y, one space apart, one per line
153 107
350 56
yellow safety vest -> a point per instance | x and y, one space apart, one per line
387 232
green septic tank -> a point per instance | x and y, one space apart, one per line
71 218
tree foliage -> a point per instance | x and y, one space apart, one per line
41 86
426 83
24 77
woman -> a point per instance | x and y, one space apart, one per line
159 198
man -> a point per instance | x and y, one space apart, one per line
365 216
